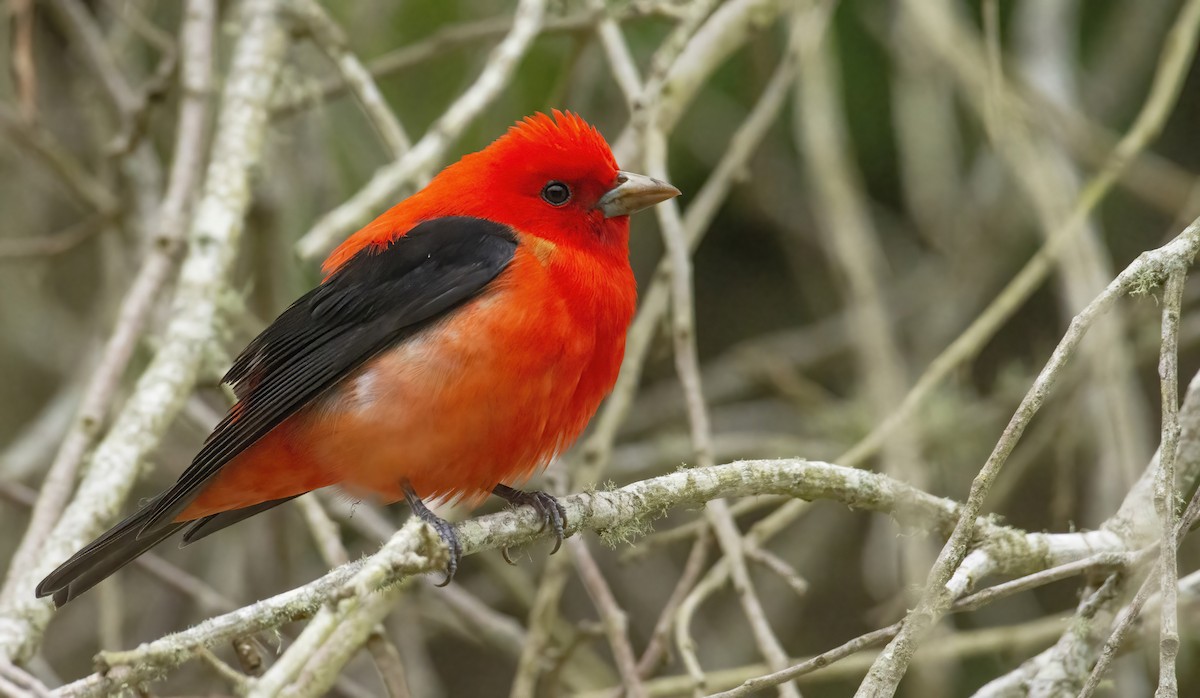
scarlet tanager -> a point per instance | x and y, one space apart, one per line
457 343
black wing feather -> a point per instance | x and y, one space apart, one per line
203 528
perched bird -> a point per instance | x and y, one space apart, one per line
457 343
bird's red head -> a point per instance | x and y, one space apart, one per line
544 177
553 178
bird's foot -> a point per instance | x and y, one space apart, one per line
548 508
444 529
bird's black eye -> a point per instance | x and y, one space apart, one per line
556 193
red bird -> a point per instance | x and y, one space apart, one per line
457 343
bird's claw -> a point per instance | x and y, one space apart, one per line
552 513
453 548
444 530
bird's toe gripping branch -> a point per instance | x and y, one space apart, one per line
548 508
444 529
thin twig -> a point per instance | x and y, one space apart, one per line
968 603
388 663
448 38
673 273
1128 616
936 598
163 387
1158 106
139 163
1045 37
24 68
1121 628
656 648
1079 650
987 642
541 621
85 36
333 41
687 365
237 680
1164 501
386 181
723 32
197 36
481 621
859 260
329 542
15 681
779 566
613 617
41 143
862 642
596 450
691 529
50 245
142 25
713 580
1165 496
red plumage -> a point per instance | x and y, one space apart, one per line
458 342
495 391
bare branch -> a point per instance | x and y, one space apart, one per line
1165 495
612 616
936 598
332 40
79 182
432 146
416 550
197 38
165 384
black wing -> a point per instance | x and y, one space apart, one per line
374 300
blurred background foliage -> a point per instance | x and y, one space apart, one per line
781 369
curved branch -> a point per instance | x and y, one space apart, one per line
616 515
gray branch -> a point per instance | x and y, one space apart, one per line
160 392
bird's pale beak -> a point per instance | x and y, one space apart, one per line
633 193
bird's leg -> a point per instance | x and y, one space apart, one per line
443 528
553 514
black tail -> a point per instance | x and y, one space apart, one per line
119 546
123 543
202 528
